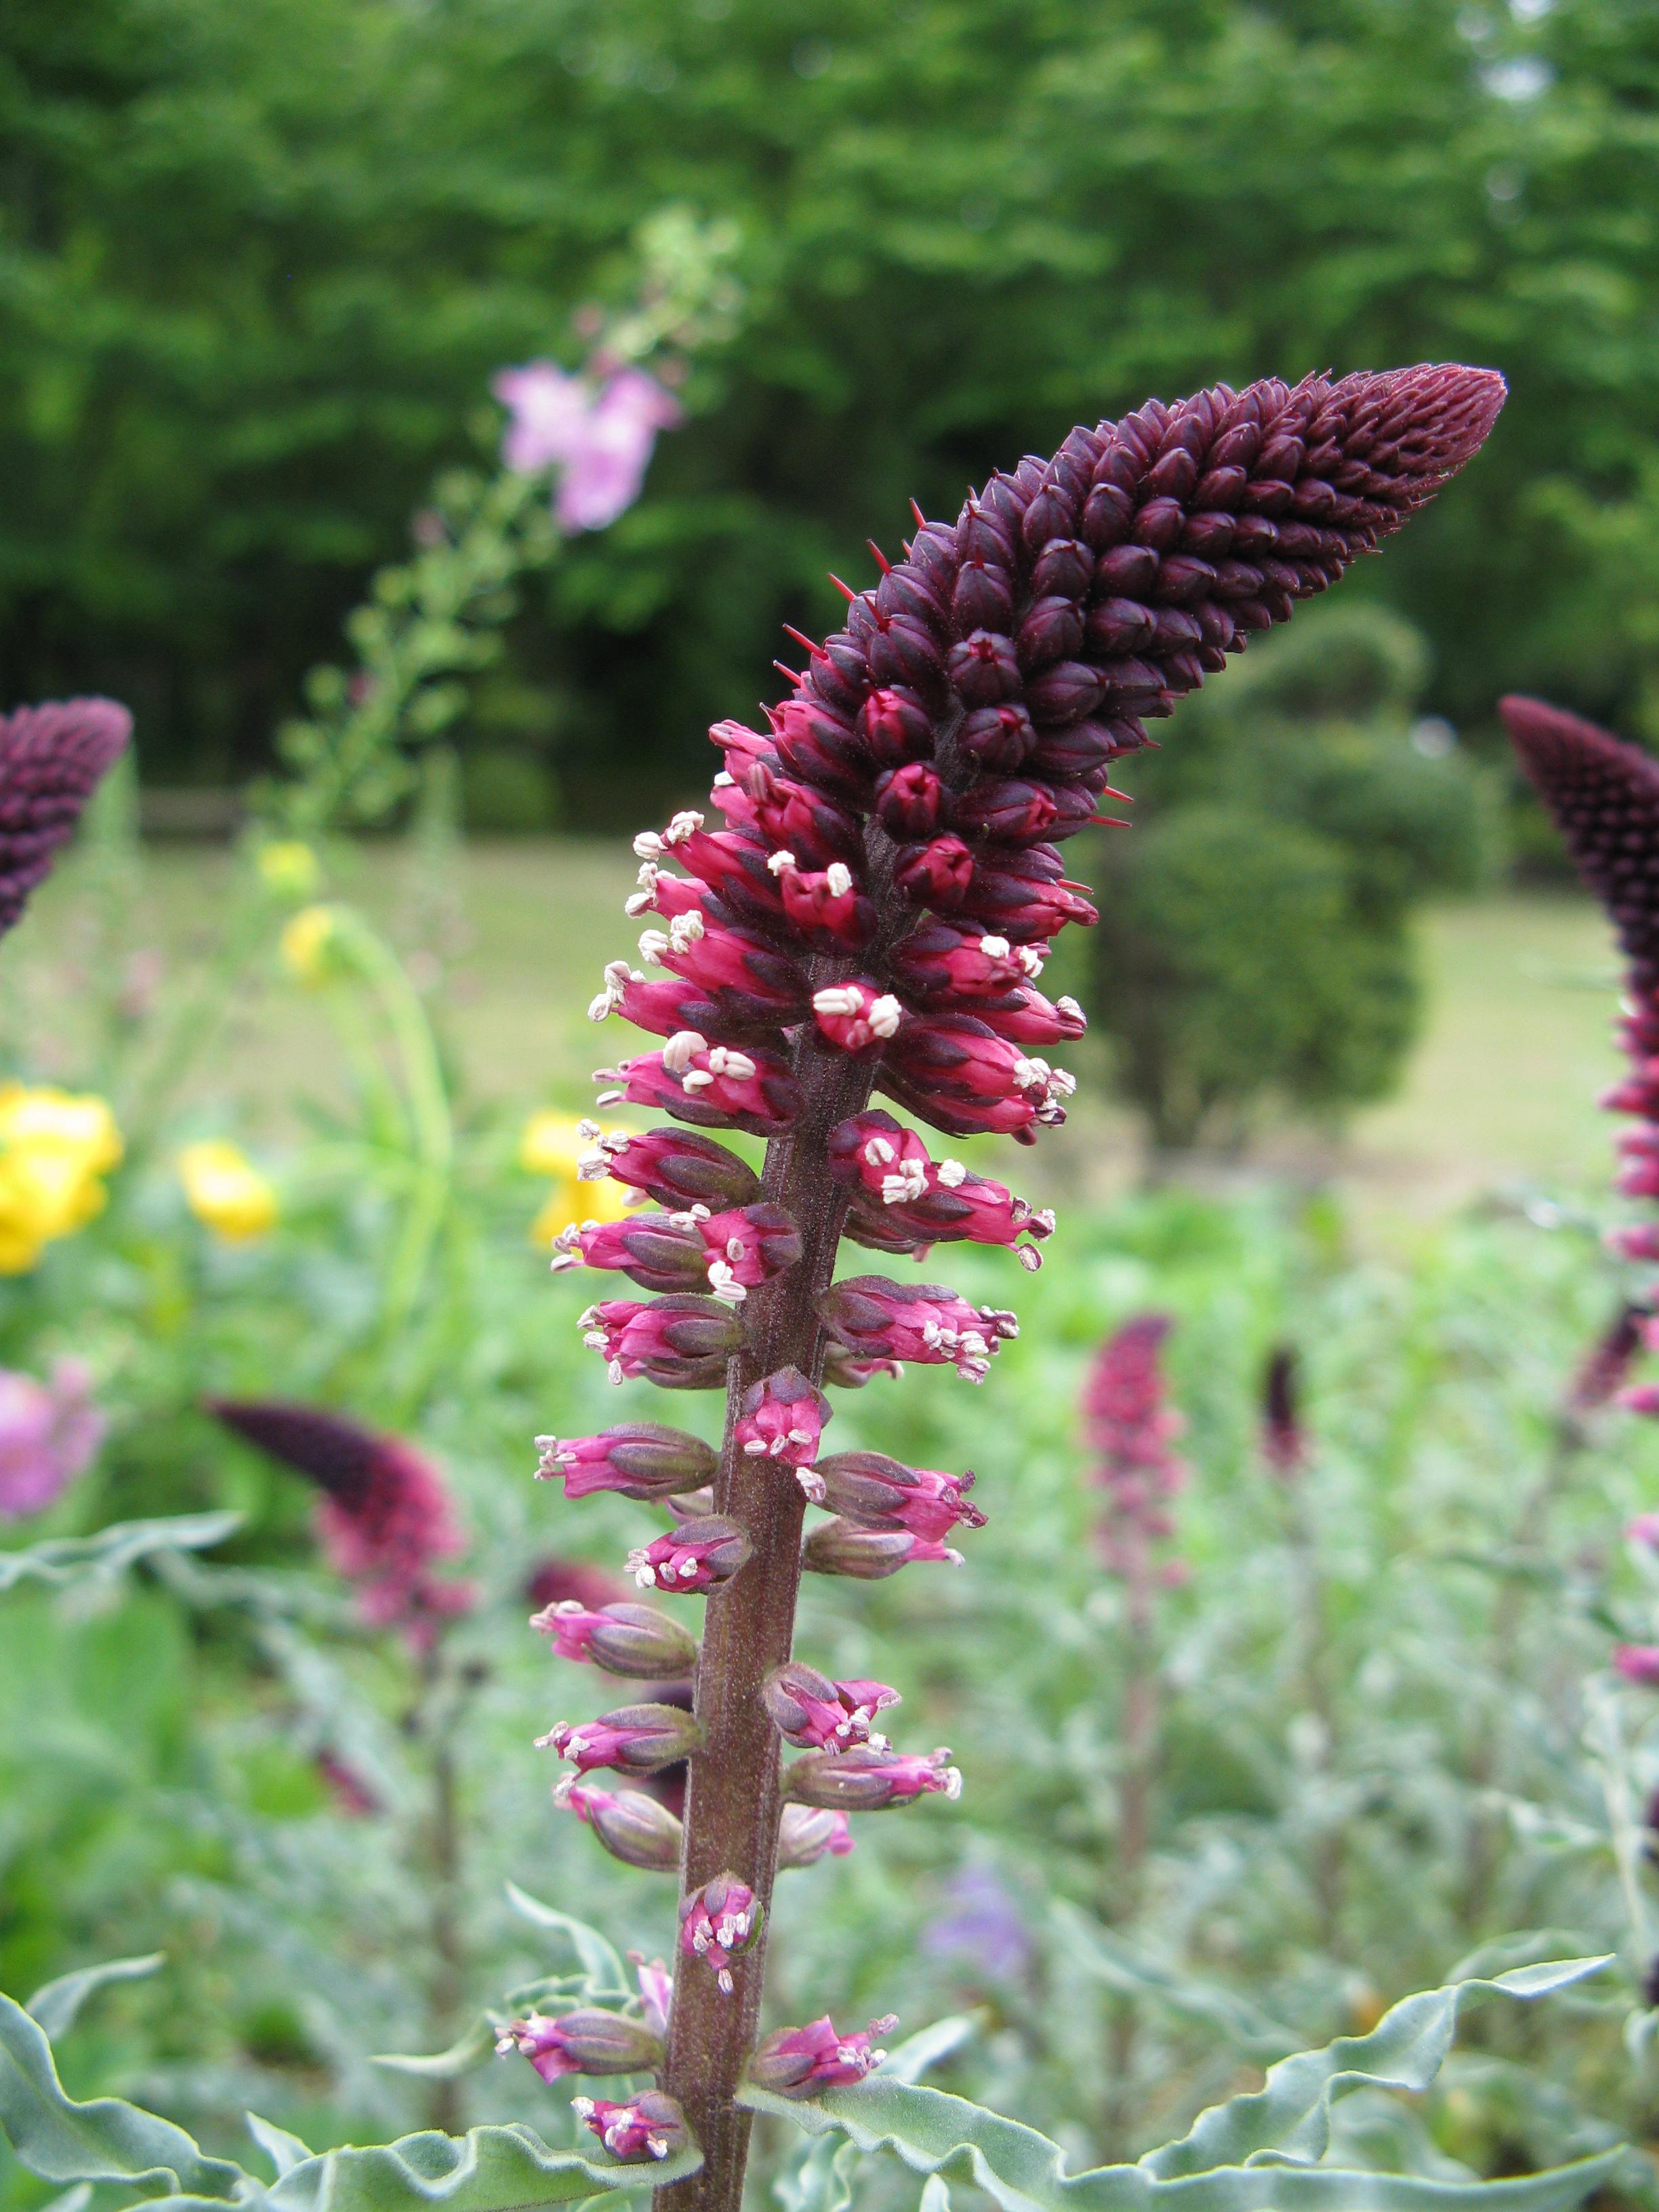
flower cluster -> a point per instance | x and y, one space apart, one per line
56 1149
48 1433
597 431
52 758
1604 796
1130 1426
385 1519
866 905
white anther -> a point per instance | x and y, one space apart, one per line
682 826
735 1247
951 1173
953 1774
811 1483
994 948
1030 959
686 930
879 1151
614 1371
905 1186
1030 1074
696 1079
1070 1008
756 1447
838 878
781 863
724 779
654 943
1060 1083
841 999
1029 1257
587 1131
884 1016
681 1049
636 903
649 845
725 1284
1042 1221
722 1060
611 1098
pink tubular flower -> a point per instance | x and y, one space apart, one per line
648 2127
600 438
49 1432
945 961
677 1343
713 1086
52 758
826 906
799 2062
628 1639
640 1459
734 1252
781 1419
856 1017
585 2041
1644 1530
718 1923
880 1492
868 1555
634 1739
904 1200
698 1555
1638 1663
955 1072
923 1321
747 979
868 1780
675 1167
807 1834
641 1831
656 1991
819 1715
385 1519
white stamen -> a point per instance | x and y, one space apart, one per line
725 1284
781 863
680 1049
884 1016
1029 1257
682 826
994 948
698 1078
879 1151
838 878
951 1174
811 1483
649 845
686 930
1070 1008
654 943
838 999
722 1060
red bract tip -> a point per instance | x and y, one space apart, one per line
881 559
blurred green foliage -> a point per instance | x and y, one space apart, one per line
257 262
1255 941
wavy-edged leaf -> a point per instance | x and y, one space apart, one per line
285 2151
492 2169
600 1960
1253 2153
61 1560
55 2006
819 2177
909 2060
935 2196
105 2140
1130 1972
470 2050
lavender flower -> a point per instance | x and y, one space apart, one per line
51 760
981 1925
598 436
48 1433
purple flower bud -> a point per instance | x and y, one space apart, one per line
585 2041
695 1557
675 1167
52 758
827 908
677 1343
937 874
799 2062
1012 810
639 1830
647 2127
656 1991
807 1834
909 800
718 1923
623 1639
864 1780
923 1321
954 1070
716 1086
896 728
868 1555
819 1715
795 818
635 1739
781 1419
879 1492
1001 739
640 1459
984 669
857 1017
732 863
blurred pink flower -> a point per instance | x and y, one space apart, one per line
48 1433
599 436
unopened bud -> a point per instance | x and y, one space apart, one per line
623 1639
807 1833
869 1555
639 1830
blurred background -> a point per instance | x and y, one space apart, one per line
426 418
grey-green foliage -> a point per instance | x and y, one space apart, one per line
1255 940
1265 2149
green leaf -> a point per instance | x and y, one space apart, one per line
106 2140
285 2151
1125 1968
909 2060
494 2169
819 2177
54 2007
1255 2154
61 1560
474 2047
600 1960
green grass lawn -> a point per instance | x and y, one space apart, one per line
1502 1087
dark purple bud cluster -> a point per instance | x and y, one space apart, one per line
52 758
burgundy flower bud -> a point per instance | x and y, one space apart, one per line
800 820
719 1922
742 748
647 2127
933 1202
817 745
635 1640
1052 630
664 1009
699 1555
829 909
856 1017
846 1371
909 800
799 2062
1013 813
962 962
715 1085
983 535
896 728
635 1739
983 599
807 1834
51 760
936 874
1065 569
984 669
819 1715
672 1166
907 591
663 1251
736 969
1016 900
1026 1018
869 1555
905 651
781 1419
641 1831
866 1780
677 1343
957 1073
879 1492
1001 739
585 2041
732 863
923 1321
1084 751
640 1458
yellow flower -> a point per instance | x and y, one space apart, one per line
55 1149
309 945
288 867
552 1145
223 1189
